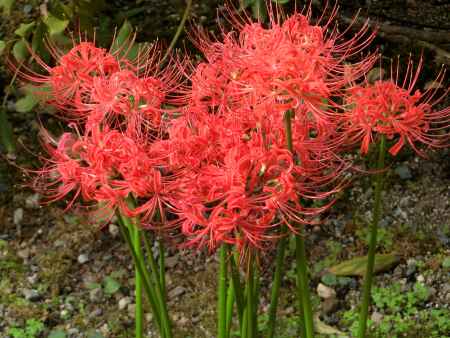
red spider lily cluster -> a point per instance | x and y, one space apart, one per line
223 164
115 109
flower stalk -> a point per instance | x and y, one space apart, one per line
373 240
222 293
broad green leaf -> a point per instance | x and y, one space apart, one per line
57 334
20 50
24 29
357 266
6 5
26 103
325 329
122 37
281 2
6 132
55 25
2 46
111 285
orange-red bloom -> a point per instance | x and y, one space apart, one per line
395 109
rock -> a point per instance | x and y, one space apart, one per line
411 267
403 172
176 292
325 292
32 202
27 9
95 295
183 321
131 308
329 305
33 278
83 258
65 314
171 261
24 253
376 317
18 216
420 278
96 313
123 303
113 229
31 295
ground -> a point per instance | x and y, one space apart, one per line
63 276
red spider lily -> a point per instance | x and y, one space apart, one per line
398 111
105 167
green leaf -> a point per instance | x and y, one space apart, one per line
26 103
55 26
281 2
2 46
92 286
111 285
20 50
6 5
122 37
322 328
57 334
446 263
24 29
357 266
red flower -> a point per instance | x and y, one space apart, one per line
398 111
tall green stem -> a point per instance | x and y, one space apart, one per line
222 296
373 240
279 265
250 308
303 287
139 322
306 325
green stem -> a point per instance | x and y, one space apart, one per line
222 296
279 264
306 324
373 241
165 320
303 287
239 296
139 322
230 303
255 297
249 298
179 30
162 268
125 224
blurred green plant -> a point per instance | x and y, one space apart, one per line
33 328
402 314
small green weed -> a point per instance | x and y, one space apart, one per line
33 328
403 314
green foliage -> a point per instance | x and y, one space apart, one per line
111 285
33 328
385 237
403 314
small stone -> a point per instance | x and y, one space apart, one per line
32 202
183 321
171 261
33 278
64 314
27 8
325 292
176 292
123 303
18 216
403 172
83 258
24 253
329 305
376 317
31 295
113 230
131 308
420 278
96 313
148 317
95 295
